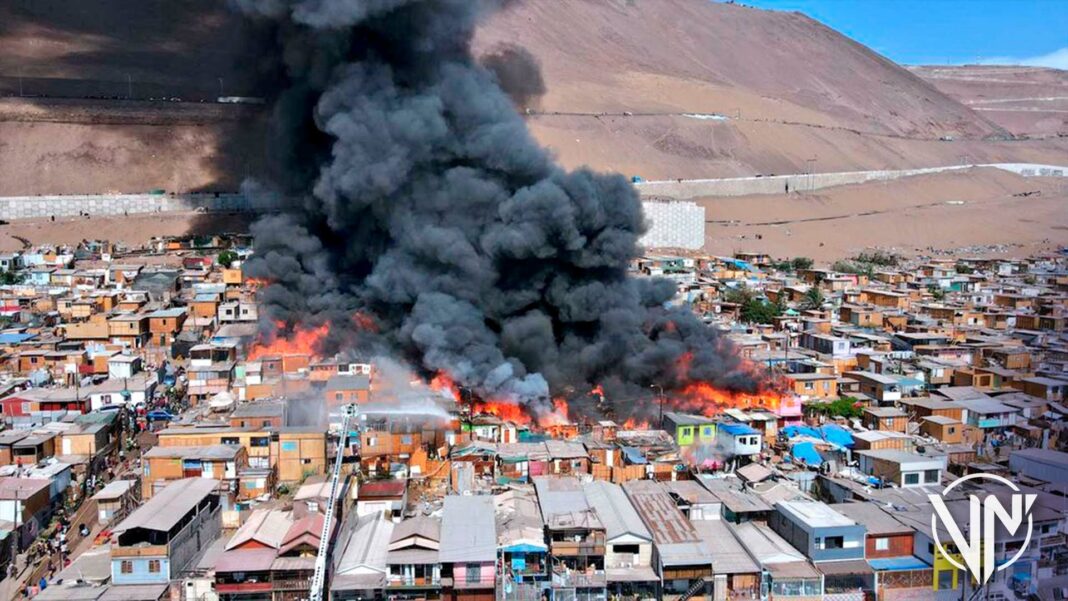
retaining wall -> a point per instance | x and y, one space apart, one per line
777 184
29 207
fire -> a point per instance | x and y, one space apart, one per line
303 341
558 416
442 382
706 399
509 412
364 321
636 424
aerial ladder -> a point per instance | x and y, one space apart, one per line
322 559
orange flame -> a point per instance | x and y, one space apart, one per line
706 399
303 341
632 423
509 412
558 416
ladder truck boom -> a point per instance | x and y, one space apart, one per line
321 560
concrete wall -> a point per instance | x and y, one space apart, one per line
777 184
29 207
675 224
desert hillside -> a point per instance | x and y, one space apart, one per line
975 212
1026 101
690 88
656 88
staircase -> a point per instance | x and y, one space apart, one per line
696 587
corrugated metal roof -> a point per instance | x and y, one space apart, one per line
728 555
216 451
366 546
134 592
468 532
169 505
615 511
114 490
245 560
563 504
676 540
266 526
519 519
814 514
767 547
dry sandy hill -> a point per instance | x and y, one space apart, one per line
1026 101
701 56
629 85
622 75
979 207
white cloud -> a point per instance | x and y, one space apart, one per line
1058 59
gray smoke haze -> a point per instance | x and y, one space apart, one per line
517 72
426 206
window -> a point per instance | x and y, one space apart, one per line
882 544
951 430
230 440
339 396
708 431
474 572
266 423
912 479
126 567
406 439
626 549
833 542
931 476
687 431
260 441
808 385
153 566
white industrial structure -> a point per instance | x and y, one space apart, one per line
674 224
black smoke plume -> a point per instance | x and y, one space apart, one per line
517 72
426 207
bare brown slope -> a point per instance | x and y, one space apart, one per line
700 56
1027 101
87 147
121 48
624 79
911 216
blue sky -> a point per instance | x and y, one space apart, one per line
915 32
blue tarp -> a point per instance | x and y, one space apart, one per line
805 452
832 433
838 435
908 562
633 456
736 429
795 431
14 338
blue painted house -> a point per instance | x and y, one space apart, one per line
162 537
